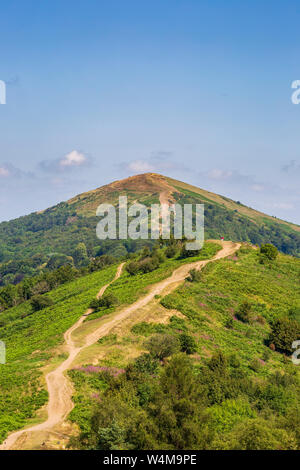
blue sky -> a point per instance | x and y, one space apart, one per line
197 90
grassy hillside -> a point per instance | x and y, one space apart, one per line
30 342
32 338
228 390
28 243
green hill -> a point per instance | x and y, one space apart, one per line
28 243
226 389
205 366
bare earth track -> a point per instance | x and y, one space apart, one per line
59 387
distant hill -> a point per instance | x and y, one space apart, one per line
27 243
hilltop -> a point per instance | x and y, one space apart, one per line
50 238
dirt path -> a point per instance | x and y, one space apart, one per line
60 390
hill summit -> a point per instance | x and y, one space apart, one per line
28 243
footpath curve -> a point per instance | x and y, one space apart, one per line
59 387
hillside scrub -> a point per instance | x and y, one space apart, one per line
175 407
31 337
238 393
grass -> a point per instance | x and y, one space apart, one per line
31 338
272 290
29 342
129 288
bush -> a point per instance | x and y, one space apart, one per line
187 343
256 434
132 268
171 251
283 332
269 251
244 312
162 345
39 302
106 301
194 276
218 363
146 364
146 265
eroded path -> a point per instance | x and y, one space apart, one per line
59 387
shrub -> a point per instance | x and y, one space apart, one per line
266 355
269 251
244 312
283 332
171 251
194 276
218 363
162 345
106 301
39 302
132 268
146 364
187 343
146 265
256 434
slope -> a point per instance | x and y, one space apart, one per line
28 243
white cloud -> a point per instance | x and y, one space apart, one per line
4 172
70 161
140 166
73 158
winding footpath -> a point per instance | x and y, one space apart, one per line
59 387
